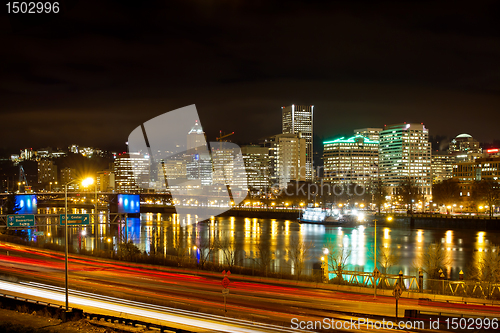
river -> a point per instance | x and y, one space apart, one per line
165 233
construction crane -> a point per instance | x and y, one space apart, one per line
222 136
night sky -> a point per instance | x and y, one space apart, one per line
92 73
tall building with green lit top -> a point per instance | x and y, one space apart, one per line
352 160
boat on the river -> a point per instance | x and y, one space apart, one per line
317 215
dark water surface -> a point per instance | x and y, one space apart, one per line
167 234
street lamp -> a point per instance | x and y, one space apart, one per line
66 235
324 265
86 183
375 260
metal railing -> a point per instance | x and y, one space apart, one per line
465 288
386 281
411 283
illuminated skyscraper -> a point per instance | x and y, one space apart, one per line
298 119
68 175
199 164
105 181
287 154
223 165
370 133
47 172
464 148
442 166
131 172
350 161
256 160
196 138
405 151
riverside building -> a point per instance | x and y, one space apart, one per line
405 152
350 161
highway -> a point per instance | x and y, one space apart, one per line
92 303
172 289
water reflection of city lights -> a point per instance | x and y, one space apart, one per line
277 235
345 241
386 233
419 236
448 236
354 241
480 237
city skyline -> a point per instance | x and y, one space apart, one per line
345 133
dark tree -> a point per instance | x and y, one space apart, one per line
446 192
486 192
128 250
9 205
433 259
379 192
408 190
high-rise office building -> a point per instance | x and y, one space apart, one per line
370 133
68 175
198 160
298 119
442 166
223 165
47 172
196 138
465 148
256 159
105 181
350 161
172 169
287 153
132 172
405 152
